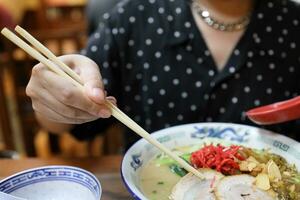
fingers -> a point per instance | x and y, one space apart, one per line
93 85
52 115
112 100
60 108
70 95
90 75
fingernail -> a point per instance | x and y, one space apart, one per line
112 100
96 92
104 113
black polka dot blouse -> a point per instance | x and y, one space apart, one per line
154 60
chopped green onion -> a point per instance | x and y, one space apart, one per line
178 170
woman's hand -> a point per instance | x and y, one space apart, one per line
58 100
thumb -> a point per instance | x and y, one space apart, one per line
92 80
94 91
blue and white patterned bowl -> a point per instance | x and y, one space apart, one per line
141 152
53 183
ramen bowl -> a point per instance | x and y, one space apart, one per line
194 134
53 183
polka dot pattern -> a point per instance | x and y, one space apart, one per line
162 73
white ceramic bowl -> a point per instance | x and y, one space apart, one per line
189 134
53 183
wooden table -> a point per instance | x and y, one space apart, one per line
106 169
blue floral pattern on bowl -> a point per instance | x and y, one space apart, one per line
53 182
136 162
228 133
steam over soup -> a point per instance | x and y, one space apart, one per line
230 171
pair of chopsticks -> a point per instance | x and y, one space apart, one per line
57 66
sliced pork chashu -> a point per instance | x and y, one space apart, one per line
240 187
191 187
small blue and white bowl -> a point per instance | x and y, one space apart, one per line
184 135
53 183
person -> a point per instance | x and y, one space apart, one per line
171 62
94 10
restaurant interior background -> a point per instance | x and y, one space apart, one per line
62 26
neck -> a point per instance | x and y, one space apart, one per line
228 9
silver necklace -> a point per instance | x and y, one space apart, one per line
218 25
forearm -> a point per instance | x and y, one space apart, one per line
53 127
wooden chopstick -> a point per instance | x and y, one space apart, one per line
64 71
39 46
35 54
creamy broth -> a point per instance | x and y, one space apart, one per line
159 176
157 181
